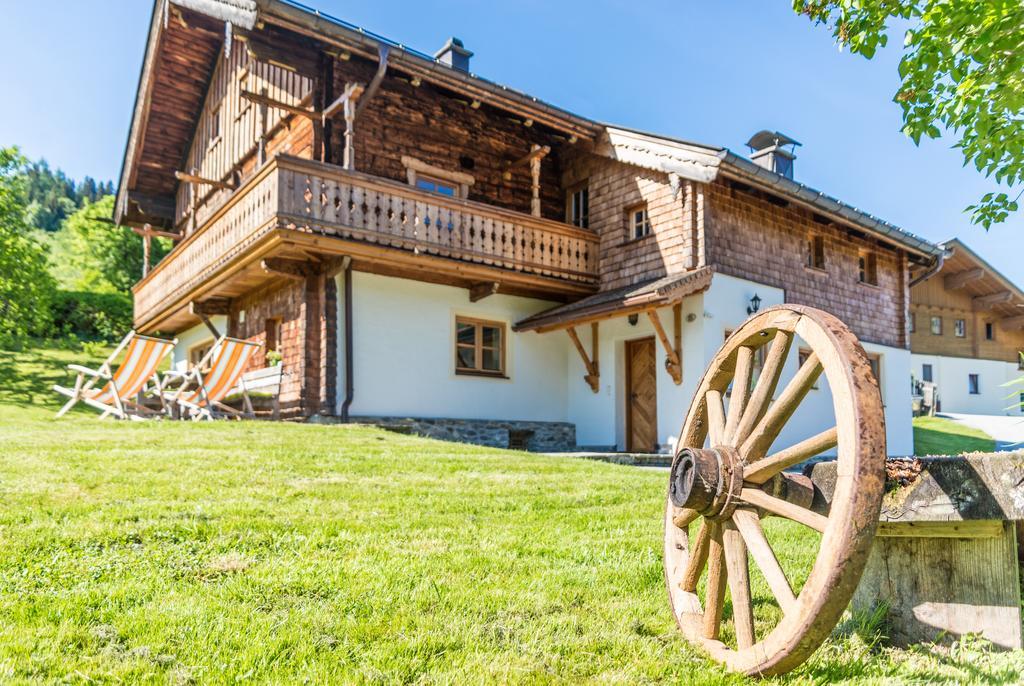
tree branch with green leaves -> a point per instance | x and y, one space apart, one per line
962 72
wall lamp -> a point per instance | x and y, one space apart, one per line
755 305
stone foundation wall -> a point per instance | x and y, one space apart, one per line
532 436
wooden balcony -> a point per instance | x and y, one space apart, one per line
296 208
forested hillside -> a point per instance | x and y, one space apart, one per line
65 270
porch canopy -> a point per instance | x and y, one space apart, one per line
645 297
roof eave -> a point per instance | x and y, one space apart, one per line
744 170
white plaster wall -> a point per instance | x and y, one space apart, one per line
600 418
404 359
193 337
950 375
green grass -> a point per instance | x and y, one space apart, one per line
938 436
257 552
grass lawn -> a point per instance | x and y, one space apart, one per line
258 552
938 436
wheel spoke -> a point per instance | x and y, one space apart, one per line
739 585
750 529
740 391
762 470
783 508
698 558
715 597
766 431
682 517
764 389
716 417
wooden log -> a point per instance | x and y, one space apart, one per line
960 279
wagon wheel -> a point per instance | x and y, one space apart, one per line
725 490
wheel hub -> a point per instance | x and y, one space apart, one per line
707 480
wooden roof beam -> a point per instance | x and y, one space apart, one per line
985 302
961 279
213 306
260 99
1012 323
193 178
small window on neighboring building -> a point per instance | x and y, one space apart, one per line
936 326
926 373
913 322
959 328
1020 360
479 347
438 186
990 332
578 207
816 251
868 268
638 222
972 384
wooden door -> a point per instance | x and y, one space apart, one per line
641 396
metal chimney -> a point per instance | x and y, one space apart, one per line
454 54
769 150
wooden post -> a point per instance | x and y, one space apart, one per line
532 158
535 173
146 245
263 127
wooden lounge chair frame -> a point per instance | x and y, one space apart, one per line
194 382
121 406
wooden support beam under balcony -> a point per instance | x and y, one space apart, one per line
479 291
296 270
210 308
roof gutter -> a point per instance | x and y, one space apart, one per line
744 170
932 270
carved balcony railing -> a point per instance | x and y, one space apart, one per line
291 194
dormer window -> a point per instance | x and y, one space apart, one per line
434 179
638 222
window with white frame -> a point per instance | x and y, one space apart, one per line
435 179
936 326
959 328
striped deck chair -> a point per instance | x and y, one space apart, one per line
142 355
200 394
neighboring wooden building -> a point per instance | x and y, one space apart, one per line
967 334
398 229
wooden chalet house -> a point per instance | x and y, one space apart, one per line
421 244
967 334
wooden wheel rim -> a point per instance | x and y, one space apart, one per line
853 517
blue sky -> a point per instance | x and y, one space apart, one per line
713 72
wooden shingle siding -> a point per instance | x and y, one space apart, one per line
752 238
444 130
674 244
217 152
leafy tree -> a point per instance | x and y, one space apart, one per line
962 71
25 284
91 254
